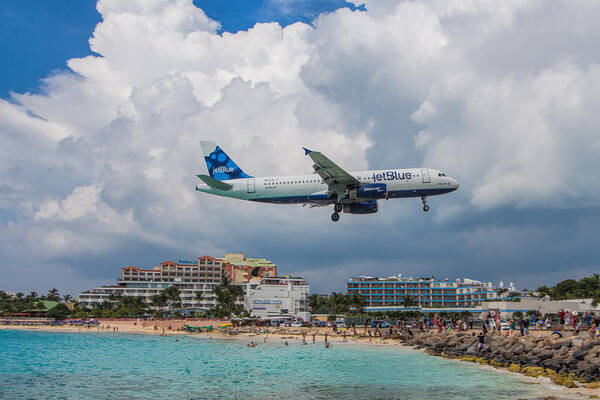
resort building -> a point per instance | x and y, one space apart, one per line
265 294
281 297
398 293
240 268
201 276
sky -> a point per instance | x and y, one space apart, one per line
103 106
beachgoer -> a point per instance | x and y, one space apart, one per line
561 315
481 338
286 342
313 335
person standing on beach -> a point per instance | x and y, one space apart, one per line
313 335
481 338
325 336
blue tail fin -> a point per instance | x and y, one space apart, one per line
219 165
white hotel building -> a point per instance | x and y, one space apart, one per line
265 294
278 297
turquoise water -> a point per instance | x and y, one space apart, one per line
120 366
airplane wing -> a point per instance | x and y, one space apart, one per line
337 179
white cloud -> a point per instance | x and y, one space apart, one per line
108 153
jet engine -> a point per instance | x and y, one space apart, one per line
365 207
370 191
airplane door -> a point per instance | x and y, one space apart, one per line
425 175
251 186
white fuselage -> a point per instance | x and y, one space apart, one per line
396 183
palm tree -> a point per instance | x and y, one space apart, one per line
227 296
67 298
408 302
198 296
53 295
171 297
158 300
338 303
358 302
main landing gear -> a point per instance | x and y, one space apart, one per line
337 208
425 206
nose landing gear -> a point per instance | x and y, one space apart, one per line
335 217
425 206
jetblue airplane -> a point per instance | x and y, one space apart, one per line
350 192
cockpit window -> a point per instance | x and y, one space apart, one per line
441 174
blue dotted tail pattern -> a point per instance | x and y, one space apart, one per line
221 167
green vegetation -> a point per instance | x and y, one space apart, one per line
118 306
59 311
518 316
588 287
336 303
32 303
227 296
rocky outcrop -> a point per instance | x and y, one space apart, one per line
565 361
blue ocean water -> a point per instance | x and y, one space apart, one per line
40 365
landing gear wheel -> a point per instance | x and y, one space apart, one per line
425 206
338 207
335 217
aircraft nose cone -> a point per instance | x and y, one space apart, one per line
454 183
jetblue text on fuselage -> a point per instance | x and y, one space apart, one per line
391 175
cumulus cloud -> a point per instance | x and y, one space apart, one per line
502 96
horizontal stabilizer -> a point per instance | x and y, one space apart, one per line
215 183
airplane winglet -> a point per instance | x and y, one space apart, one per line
306 151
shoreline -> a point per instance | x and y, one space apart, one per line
295 337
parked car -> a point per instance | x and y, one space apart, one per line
297 325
